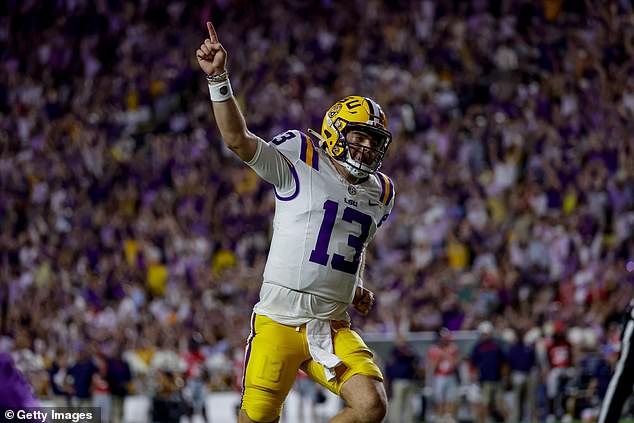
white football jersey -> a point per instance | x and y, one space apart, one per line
321 227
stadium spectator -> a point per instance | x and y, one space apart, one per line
118 377
490 364
58 379
592 378
442 363
403 372
101 397
560 371
82 373
522 364
195 390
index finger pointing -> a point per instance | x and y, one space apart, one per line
212 33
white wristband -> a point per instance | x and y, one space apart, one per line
220 91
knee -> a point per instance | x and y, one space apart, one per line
374 409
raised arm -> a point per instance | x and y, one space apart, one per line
212 58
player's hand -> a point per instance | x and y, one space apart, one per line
363 300
211 55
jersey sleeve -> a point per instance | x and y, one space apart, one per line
273 166
278 161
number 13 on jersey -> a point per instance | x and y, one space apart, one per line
320 254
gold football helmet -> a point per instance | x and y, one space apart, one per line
359 114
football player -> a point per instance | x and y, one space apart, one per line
330 200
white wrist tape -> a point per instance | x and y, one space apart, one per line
220 91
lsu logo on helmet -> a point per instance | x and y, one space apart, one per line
356 113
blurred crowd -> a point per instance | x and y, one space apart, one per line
127 230
514 376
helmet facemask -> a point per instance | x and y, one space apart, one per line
362 160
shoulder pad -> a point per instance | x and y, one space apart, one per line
387 188
296 145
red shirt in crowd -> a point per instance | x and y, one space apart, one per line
444 358
559 353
